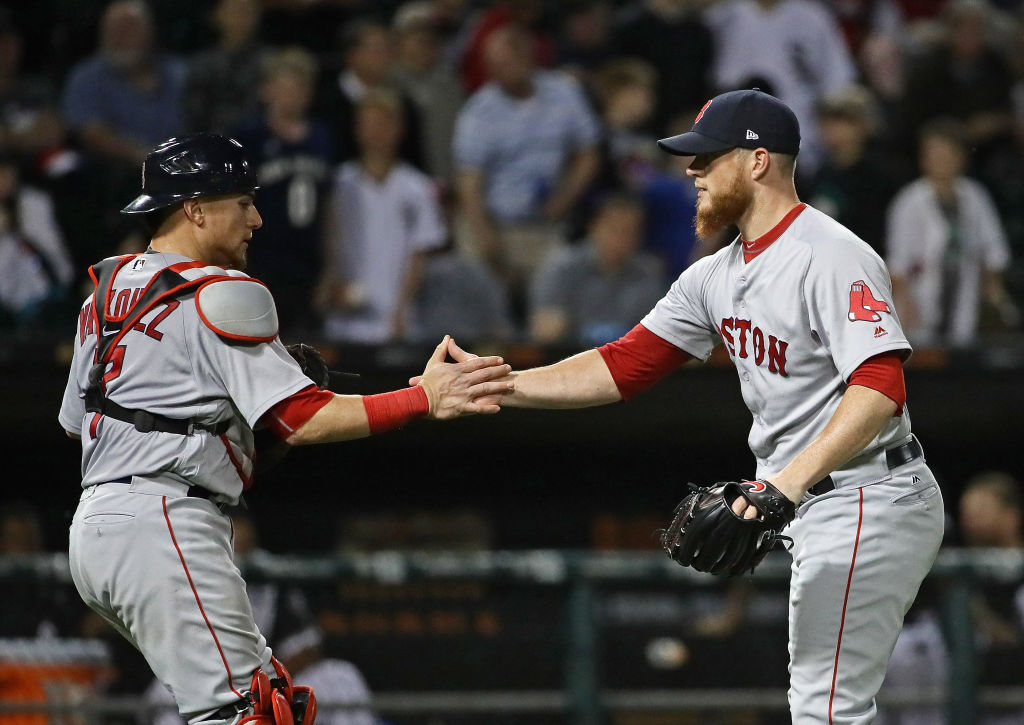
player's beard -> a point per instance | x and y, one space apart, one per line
723 209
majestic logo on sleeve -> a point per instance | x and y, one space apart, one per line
863 305
742 340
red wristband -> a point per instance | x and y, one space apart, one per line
387 411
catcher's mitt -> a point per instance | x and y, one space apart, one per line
707 535
312 363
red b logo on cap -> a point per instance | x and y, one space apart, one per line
701 114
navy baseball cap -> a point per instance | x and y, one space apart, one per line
748 119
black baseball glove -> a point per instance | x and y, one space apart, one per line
707 535
312 363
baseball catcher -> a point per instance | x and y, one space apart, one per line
707 533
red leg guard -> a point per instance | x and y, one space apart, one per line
304 705
301 700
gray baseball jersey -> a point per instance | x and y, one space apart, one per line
174 364
796 323
797 320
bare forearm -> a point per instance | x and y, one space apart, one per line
860 416
411 281
100 139
474 206
578 176
580 381
343 418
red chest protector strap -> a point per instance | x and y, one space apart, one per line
166 284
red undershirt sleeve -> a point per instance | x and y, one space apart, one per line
639 359
884 373
293 412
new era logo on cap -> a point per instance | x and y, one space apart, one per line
727 121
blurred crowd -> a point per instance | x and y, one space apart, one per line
489 168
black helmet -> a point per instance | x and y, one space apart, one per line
201 164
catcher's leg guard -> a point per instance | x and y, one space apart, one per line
269 706
278 701
301 699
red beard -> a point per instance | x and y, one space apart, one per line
723 210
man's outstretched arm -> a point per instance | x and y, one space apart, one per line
617 371
580 381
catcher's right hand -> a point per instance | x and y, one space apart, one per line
709 536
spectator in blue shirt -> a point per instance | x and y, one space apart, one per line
525 152
118 104
126 98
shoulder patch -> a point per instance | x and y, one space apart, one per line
238 309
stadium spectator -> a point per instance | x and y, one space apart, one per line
1003 179
220 82
525 153
32 606
945 245
856 178
368 52
30 123
963 76
475 67
118 104
793 49
625 90
585 36
862 20
292 154
386 217
432 86
672 36
593 292
35 267
461 297
992 517
127 97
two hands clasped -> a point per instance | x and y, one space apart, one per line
470 385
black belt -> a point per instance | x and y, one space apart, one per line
193 491
894 458
146 422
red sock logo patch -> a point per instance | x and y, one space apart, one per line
863 305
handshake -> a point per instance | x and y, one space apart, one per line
469 385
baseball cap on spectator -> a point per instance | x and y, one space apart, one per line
853 102
417 15
748 119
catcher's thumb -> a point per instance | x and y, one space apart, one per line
415 380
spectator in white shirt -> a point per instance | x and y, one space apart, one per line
386 217
945 244
525 152
793 46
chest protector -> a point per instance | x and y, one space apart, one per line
168 283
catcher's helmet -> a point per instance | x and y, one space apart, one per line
185 167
